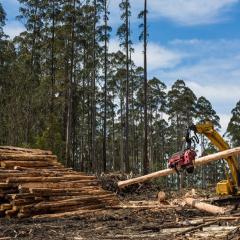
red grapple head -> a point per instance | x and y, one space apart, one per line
183 160
189 156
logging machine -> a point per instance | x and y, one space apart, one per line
184 160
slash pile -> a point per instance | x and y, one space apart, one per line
34 184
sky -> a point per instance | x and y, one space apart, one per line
194 40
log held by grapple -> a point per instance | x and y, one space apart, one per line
198 162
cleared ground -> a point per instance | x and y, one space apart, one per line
131 223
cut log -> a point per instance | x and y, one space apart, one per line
29 150
198 162
33 182
78 184
205 206
52 169
196 227
11 213
69 202
69 214
61 190
5 238
28 157
34 164
49 179
6 206
6 185
161 196
19 196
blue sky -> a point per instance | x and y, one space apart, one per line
194 40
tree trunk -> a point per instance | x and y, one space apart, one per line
145 155
52 77
205 206
105 91
93 152
122 133
126 150
69 113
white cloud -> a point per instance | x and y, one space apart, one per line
220 93
185 12
203 47
113 45
191 12
213 62
157 55
13 28
215 71
224 120
211 69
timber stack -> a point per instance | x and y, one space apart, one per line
34 184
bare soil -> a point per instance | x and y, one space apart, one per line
109 224
139 223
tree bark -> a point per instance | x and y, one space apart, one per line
52 77
105 91
205 206
145 155
126 151
93 150
70 89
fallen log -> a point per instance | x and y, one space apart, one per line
196 227
58 190
52 169
161 196
71 202
220 218
198 162
26 150
78 184
5 238
28 157
68 214
19 196
11 213
48 179
33 182
205 206
34 164
6 206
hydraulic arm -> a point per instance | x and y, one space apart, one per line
231 185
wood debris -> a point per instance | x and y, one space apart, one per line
34 184
205 206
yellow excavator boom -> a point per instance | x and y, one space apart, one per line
232 184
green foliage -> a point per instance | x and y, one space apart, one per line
51 138
181 110
123 29
233 129
2 16
53 73
204 110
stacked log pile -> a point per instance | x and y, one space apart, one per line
34 184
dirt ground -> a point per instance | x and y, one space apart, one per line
110 224
139 223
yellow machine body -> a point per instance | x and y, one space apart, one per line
230 186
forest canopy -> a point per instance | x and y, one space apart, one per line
61 89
